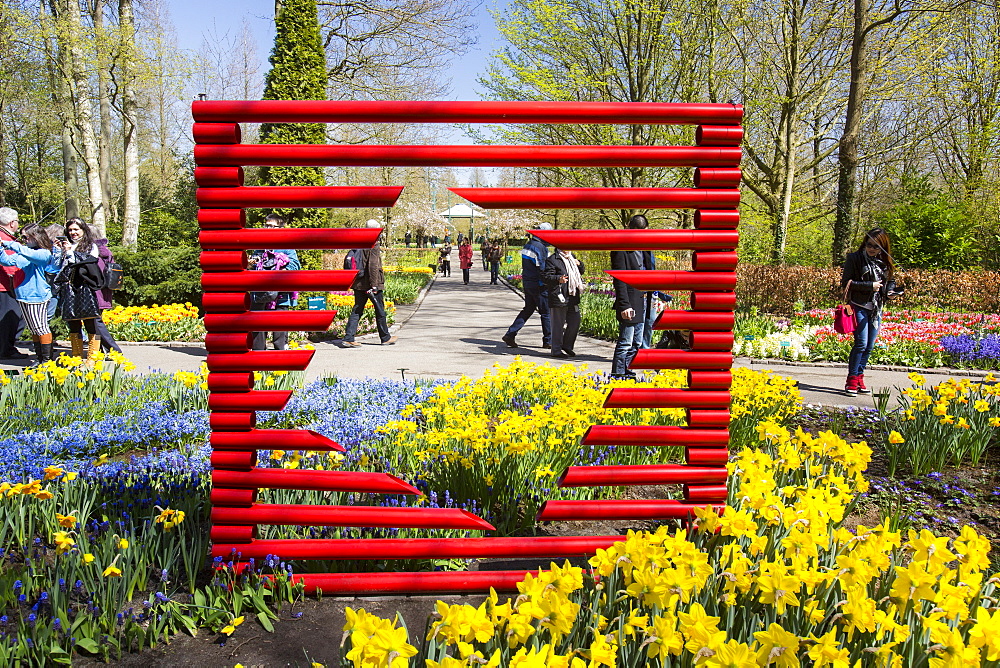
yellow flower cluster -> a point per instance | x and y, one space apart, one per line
347 301
75 369
376 642
774 580
407 270
155 313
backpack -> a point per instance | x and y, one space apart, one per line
268 261
114 275
355 261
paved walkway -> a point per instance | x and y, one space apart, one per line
456 330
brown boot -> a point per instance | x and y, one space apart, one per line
93 349
76 345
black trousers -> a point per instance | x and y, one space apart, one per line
465 276
260 338
11 323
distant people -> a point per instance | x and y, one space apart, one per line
630 305
273 260
564 278
77 282
33 293
465 258
868 280
369 285
461 238
534 254
11 318
495 254
407 238
484 251
444 258
447 239
105 296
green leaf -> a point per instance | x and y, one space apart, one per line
87 645
265 622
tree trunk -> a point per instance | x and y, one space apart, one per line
847 160
130 113
104 106
58 85
83 112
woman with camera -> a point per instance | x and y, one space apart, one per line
34 258
79 276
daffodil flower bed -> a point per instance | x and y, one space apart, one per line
170 322
775 580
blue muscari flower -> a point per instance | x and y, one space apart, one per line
57 623
32 618
161 597
44 596
18 584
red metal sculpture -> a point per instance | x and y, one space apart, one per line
220 158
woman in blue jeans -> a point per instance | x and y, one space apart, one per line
868 281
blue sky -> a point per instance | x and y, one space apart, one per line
193 19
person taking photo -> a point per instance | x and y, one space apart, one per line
34 258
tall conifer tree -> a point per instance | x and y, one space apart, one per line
298 72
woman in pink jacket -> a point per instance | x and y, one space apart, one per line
465 259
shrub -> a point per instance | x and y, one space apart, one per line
159 276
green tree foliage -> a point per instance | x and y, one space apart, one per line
159 275
298 72
930 228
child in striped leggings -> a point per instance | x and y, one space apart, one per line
34 258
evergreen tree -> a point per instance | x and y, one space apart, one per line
298 72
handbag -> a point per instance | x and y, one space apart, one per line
114 276
843 315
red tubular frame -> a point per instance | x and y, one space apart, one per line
351 516
235 440
468 156
598 198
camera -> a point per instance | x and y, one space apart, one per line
62 239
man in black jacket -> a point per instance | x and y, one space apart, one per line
630 306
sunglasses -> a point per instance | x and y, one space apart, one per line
870 244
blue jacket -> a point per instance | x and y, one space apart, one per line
34 262
533 256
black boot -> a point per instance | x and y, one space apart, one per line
44 352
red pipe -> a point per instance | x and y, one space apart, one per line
646 509
230 382
597 198
713 301
479 155
232 497
270 321
707 493
636 239
596 476
269 439
222 260
225 302
657 397
216 133
709 219
707 419
652 435
656 358
317 481
674 319
435 583
234 461
331 111
710 380
260 360
323 238
419 548
232 421
221 219
712 261
708 340
351 516
281 281
676 280
255 400
229 342
717 177
224 534
290 196
707 457
716 135
218 176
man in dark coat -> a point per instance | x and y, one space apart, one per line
533 257
630 306
369 285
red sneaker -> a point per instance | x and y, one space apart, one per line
852 386
861 385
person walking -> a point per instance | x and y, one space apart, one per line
11 318
534 254
79 277
630 306
33 293
105 295
369 285
563 276
868 280
444 259
495 254
484 252
273 260
465 258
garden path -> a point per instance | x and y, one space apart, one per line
456 330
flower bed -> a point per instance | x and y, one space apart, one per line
170 322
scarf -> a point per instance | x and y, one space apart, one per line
575 284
